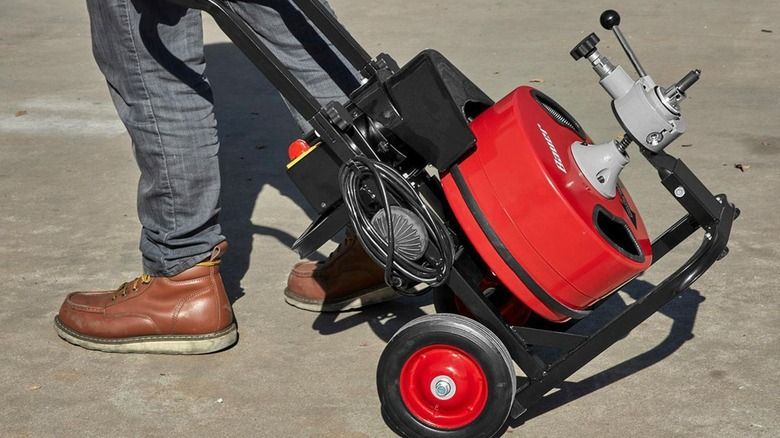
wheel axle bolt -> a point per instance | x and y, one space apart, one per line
443 387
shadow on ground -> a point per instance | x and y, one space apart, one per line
682 311
255 127
384 319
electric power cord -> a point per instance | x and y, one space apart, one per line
378 237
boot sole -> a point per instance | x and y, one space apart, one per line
153 344
354 301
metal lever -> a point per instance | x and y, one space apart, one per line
610 20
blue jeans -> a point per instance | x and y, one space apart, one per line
151 53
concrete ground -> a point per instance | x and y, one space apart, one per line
708 365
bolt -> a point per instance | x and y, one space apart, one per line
679 192
654 138
442 388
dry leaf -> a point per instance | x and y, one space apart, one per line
20 113
742 167
35 387
686 145
537 80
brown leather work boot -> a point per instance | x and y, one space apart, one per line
349 279
185 314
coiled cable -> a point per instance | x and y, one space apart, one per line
390 187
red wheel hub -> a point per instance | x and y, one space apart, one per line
443 386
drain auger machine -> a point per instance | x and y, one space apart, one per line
505 211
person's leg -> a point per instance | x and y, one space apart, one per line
151 54
349 279
311 58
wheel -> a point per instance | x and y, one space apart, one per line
447 376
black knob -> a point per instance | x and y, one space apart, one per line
585 47
609 19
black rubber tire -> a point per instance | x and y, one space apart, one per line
462 333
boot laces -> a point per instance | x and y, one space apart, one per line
133 284
146 279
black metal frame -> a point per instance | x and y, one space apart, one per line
711 213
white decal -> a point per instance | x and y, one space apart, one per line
556 157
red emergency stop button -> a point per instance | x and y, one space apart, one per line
297 148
